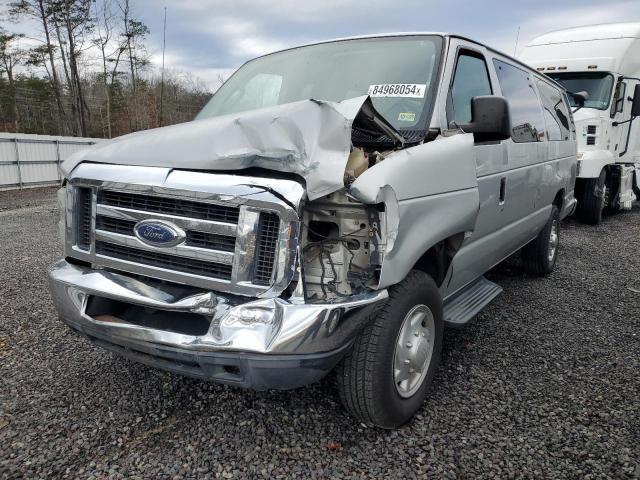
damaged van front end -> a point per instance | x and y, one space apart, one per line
260 276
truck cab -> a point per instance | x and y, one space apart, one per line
601 61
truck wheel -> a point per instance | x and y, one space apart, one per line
539 256
592 203
384 378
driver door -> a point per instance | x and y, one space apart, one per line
471 76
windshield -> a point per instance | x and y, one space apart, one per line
597 84
397 72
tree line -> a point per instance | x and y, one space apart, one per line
87 72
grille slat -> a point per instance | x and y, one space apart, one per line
591 140
115 225
170 206
162 260
591 129
209 241
83 220
266 245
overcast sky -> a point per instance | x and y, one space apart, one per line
207 37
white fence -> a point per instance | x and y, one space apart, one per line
33 160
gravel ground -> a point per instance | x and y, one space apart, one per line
543 384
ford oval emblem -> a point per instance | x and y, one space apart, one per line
158 233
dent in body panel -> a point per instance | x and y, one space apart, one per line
430 193
310 138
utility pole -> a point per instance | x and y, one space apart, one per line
164 44
515 49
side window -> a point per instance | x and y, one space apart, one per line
556 116
618 99
527 123
471 79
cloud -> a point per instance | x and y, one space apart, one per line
210 36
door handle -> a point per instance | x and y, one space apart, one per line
503 190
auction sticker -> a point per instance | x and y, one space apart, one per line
410 90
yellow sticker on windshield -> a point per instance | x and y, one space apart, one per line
407 117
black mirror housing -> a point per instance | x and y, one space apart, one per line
490 119
635 106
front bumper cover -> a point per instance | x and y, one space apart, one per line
264 343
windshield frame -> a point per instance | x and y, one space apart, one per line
415 133
582 72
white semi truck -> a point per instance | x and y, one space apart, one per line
603 61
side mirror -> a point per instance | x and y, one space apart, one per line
580 98
490 119
635 106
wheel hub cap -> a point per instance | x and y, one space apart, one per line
413 351
553 240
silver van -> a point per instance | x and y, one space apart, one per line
332 208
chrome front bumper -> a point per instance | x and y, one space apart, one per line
248 343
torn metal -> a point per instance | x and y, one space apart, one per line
310 138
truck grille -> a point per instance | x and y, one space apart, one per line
170 206
267 241
206 257
180 264
83 219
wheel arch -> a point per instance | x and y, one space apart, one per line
436 260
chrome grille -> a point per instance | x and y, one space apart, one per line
267 242
235 233
83 218
180 264
194 238
170 206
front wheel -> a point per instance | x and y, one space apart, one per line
593 199
385 377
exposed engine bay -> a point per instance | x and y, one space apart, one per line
342 239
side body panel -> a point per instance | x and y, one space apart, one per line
435 189
533 173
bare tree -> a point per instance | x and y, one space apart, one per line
105 28
10 57
74 16
40 10
134 33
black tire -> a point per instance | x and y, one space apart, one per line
540 255
365 377
592 201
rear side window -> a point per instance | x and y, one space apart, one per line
470 80
527 124
556 115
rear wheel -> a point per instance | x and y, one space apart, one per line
385 377
539 256
593 199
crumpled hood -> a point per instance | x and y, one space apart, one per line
310 138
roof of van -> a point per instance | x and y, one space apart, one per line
603 31
407 34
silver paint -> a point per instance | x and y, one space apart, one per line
260 326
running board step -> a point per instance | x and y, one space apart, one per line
466 304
